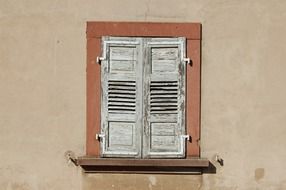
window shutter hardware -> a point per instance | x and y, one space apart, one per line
99 59
187 60
99 136
187 137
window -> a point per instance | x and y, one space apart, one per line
143 97
132 91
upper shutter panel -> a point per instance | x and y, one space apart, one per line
121 97
164 89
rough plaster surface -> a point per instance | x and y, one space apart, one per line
42 99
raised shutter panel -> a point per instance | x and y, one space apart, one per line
121 97
164 98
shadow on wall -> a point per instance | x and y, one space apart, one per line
211 169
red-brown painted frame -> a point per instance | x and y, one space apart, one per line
192 32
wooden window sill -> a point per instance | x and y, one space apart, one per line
126 165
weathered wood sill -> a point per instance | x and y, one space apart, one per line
126 165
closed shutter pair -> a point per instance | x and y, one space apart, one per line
143 97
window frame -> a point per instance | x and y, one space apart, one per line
192 33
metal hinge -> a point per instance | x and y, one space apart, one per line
99 136
99 59
187 60
187 137
70 155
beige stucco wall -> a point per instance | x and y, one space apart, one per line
42 92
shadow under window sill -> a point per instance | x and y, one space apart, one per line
127 165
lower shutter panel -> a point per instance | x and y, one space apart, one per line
165 98
121 113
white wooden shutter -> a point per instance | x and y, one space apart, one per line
121 71
164 98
